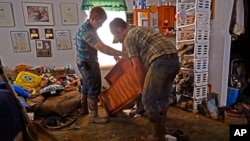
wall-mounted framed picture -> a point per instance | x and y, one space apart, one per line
6 15
69 13
38 13
20 41
48 32
63 39
43 48
34 33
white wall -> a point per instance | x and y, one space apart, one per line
219 50
59 57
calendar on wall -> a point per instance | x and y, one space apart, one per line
63 40
20 41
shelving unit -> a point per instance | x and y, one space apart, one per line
166 17
192 42
161 17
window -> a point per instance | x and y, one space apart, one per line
107 38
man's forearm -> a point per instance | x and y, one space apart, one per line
108 50
111 51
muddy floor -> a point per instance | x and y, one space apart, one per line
125 128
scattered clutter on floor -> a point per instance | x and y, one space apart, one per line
54 99
237 112
203 101
49 94
176 135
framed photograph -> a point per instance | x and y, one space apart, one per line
38 13
20 41
43 48
63 39
6 14
69 13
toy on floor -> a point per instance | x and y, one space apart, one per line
29 81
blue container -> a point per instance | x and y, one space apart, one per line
143 4
232 96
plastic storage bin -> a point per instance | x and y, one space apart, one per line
203 5
203 19
201 65
200 92
201 50
188 20
232 95
202 35
186 6
196 104
186 35
200 78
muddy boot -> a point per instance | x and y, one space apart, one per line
139 108
158 130
84 105
157 133
93 113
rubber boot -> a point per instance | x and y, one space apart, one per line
158 133
93 113
139 108
158 128
84 105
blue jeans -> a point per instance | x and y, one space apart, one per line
158 85
91 79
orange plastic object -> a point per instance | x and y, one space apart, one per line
22 67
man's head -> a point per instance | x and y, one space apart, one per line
119 28
97 16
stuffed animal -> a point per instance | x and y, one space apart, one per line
28 81
42 85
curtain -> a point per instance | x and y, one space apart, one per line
109 5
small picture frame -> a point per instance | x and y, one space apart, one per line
43 48
69 13
6 15
63 39
34 33
48 32
20 41
38 13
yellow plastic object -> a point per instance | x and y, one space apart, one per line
27 80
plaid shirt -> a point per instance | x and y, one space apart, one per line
147 43
86 38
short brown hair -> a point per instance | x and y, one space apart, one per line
98 12
117 23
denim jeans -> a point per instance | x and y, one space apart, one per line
91 79
158 85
